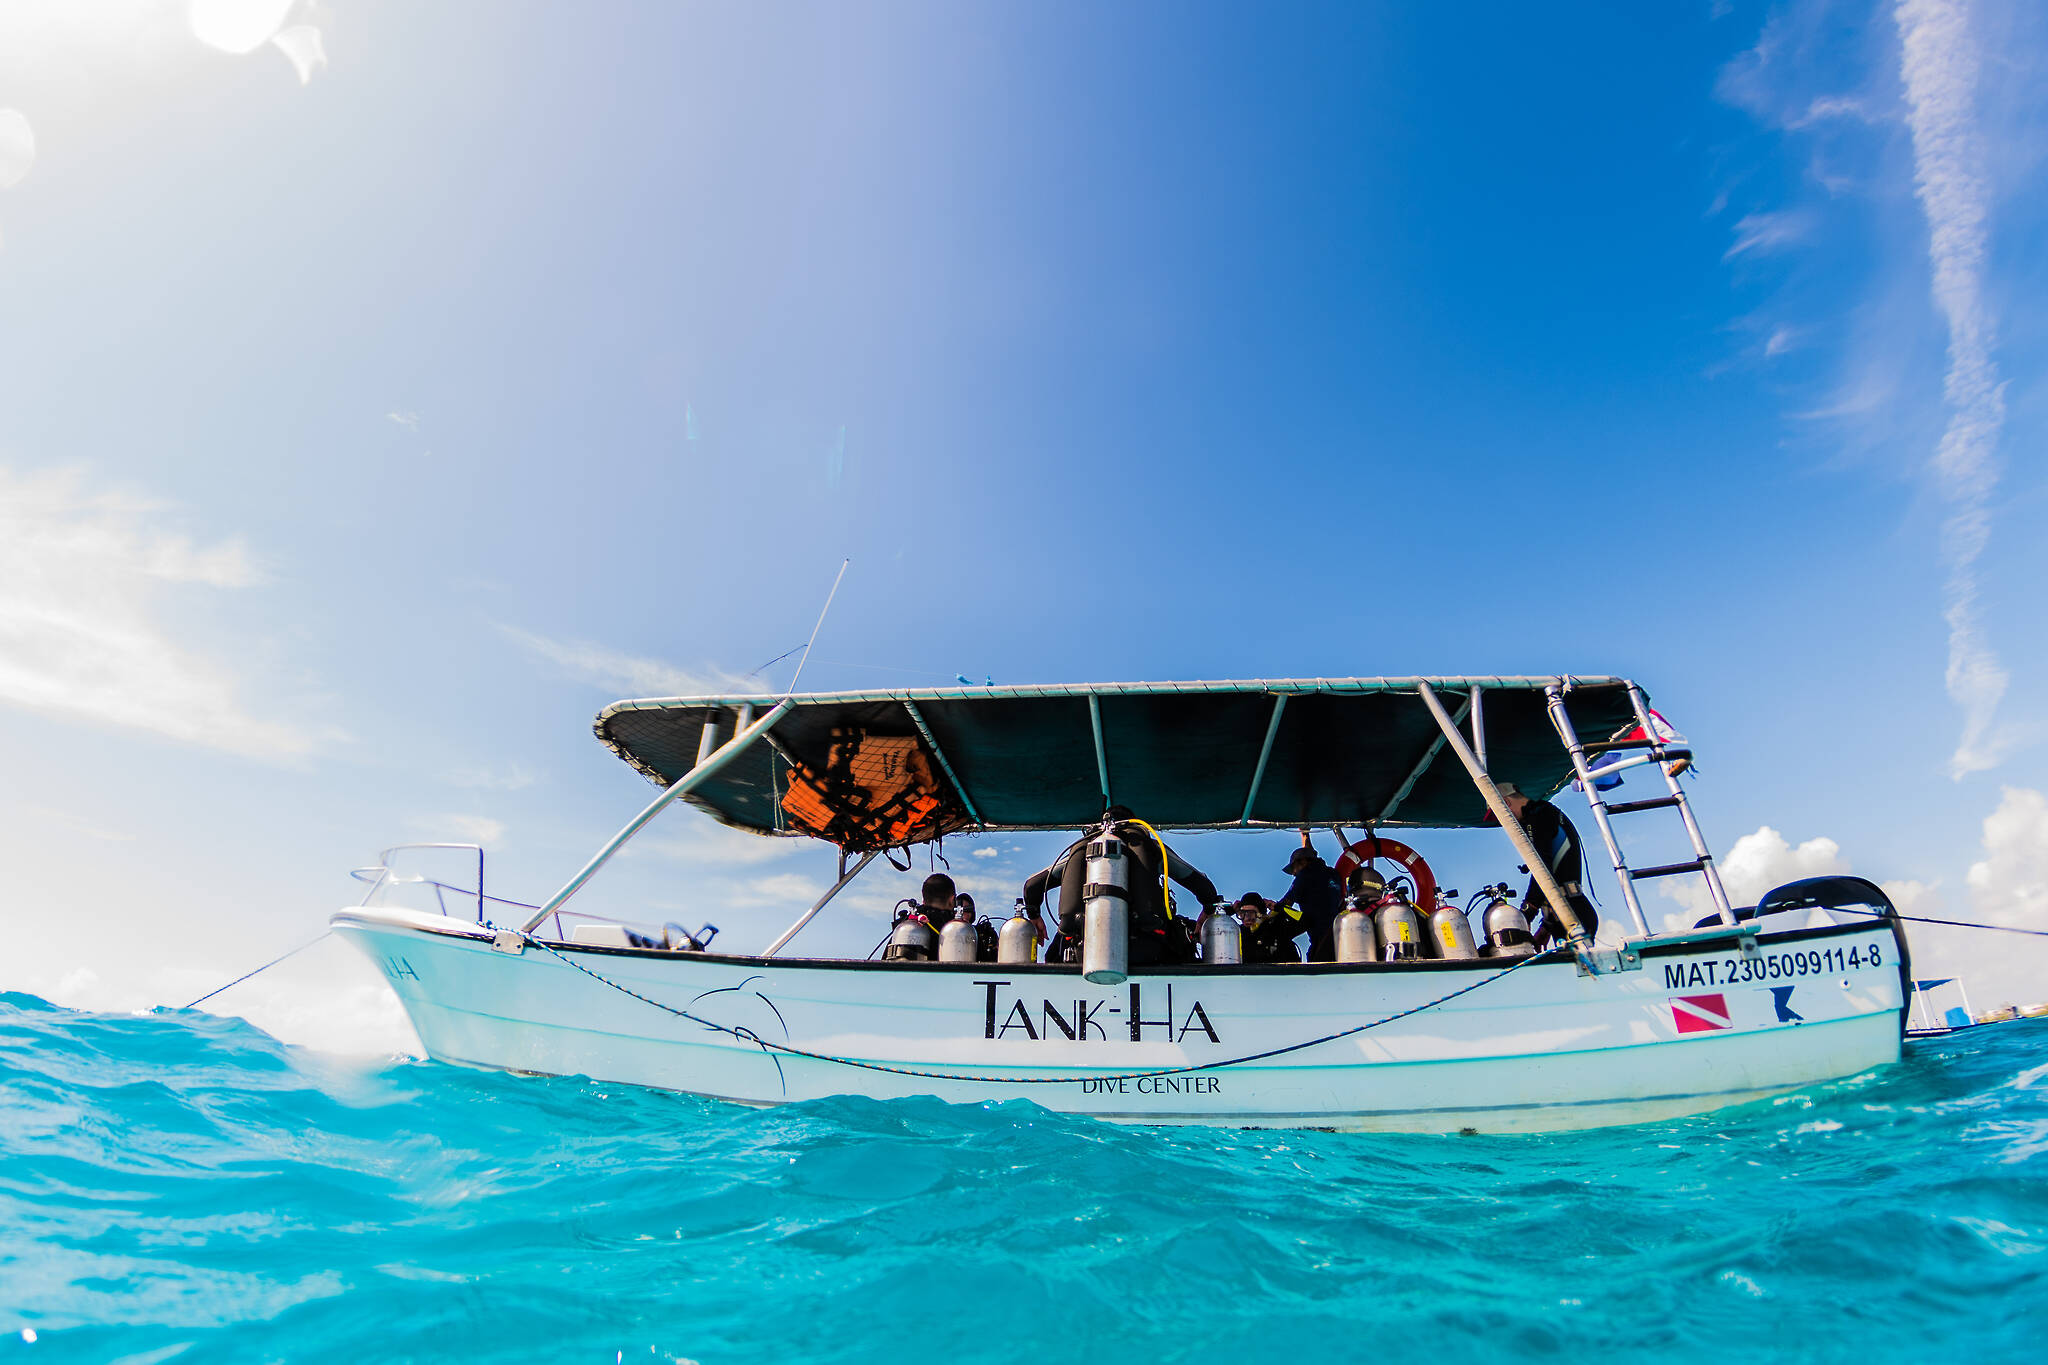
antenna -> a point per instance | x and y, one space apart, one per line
815 629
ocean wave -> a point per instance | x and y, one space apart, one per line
179 1186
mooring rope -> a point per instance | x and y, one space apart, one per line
264 968
766 1044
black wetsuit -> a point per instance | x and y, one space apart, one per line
1316 892
1273 940
1557 843
1153 939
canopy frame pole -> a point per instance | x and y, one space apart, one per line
1560 905
749 731
846 875
1478 723
1422 766
707 738
1265 752
1101 755
959 787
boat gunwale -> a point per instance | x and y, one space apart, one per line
1698 942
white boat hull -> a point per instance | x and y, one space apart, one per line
1698 1025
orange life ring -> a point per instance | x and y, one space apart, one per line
1366 850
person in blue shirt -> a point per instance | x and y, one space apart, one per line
1316 897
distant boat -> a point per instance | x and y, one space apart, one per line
1809 986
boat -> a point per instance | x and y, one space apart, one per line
1809 986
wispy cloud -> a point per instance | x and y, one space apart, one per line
84 580
511 778
1762 233
1938 66
628 674
465 829
409 420
17 147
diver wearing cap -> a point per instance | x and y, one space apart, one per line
1268 930
1558 844
1314 899
1155 936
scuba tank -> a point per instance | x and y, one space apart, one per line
1352 930
1222 938
1450 932
1353 933
1106 911
1018 940
1507 928
1400 929
912 940
957 941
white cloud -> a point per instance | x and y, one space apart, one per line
237 26
628 674
706 843
302 47
1781 340
2008 886
84 580
1757 863
986 853
463 829
1763 233
409 420
1938 66
508 779
17 147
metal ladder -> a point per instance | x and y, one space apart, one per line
1655 752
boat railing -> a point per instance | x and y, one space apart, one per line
390 886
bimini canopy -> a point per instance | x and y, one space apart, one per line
1195 755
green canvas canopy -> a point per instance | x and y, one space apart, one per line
1186 755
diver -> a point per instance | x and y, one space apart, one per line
1318 898
1269 930
1557 843
1155 937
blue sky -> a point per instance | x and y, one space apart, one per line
366 433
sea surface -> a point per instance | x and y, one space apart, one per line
181 1187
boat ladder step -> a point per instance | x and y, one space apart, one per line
1631 807
1668 869
1662 751
1652 747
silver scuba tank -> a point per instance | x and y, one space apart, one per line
1507 929
1222 938
912 940
957 940
1353 933
1106 912
1018 940
1450 932
1400 931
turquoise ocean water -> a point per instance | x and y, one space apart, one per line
183 1187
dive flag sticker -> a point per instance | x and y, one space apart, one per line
1699 1013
